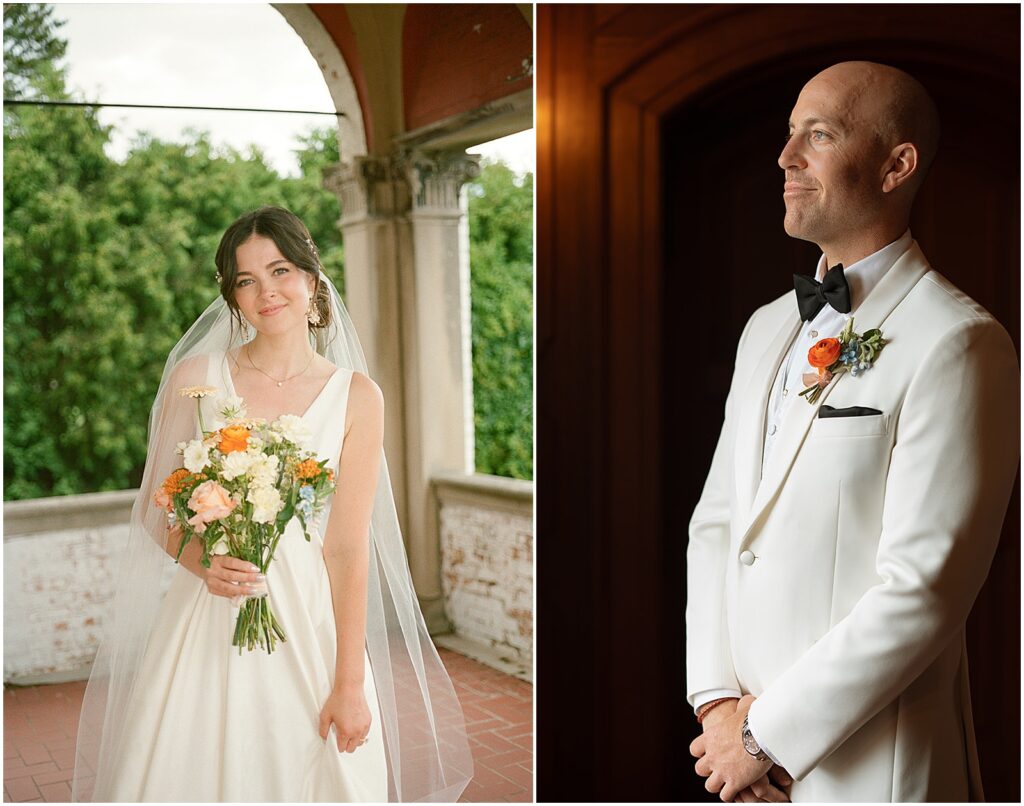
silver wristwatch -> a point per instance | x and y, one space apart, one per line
750 744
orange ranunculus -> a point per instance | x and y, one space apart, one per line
210 502
233 438
824 353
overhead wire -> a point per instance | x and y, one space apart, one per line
31 102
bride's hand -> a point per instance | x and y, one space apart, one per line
231 577
347 709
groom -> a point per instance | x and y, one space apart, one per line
839 544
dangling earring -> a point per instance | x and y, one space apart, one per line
245 327
312 313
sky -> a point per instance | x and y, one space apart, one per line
179 54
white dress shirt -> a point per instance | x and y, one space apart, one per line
861 277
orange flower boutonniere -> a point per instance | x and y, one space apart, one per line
824 353
851 352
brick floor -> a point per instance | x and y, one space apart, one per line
40 723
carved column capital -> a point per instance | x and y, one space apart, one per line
436 177
369 187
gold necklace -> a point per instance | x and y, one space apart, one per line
275 380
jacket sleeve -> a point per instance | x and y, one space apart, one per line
708 657
951 472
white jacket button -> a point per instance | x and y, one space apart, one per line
747 558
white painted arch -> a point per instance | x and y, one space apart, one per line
351 127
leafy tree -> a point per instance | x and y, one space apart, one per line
57 276
501 277
30 46
317 151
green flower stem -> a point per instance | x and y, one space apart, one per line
199 411
257 626
277 627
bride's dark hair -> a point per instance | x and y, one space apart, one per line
286 230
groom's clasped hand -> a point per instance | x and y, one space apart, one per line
730 770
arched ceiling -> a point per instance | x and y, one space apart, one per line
414 66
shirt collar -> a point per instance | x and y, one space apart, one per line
864 275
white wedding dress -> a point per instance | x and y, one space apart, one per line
209 724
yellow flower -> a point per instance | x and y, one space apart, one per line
197 391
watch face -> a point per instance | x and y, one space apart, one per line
749 743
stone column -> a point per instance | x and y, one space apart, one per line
407 289
435 308
374 197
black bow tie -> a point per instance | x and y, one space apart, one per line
812 296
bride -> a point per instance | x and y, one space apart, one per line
355 704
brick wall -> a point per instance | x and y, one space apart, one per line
60 557
486 527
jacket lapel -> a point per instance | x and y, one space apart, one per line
871 313
754 406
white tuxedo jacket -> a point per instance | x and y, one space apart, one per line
836 586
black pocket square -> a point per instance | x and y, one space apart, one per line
852 411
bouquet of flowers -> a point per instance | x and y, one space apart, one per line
240 486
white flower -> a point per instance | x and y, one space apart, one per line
266 503
180 448
221 547
255 444
292 428
230 407
263 470
236 463
197 456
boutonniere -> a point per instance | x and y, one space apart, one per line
851 352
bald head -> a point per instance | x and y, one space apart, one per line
861 138
892 102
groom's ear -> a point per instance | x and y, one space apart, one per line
900 166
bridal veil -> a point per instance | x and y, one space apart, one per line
425 741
